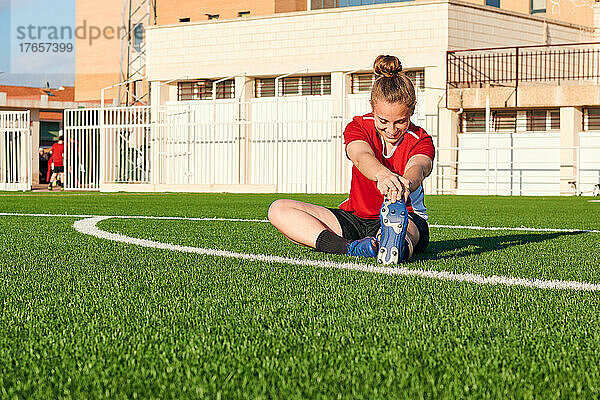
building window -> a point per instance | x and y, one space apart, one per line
138 36
504 121
362 83
543 120
315 85
212 16
554 119
202 90
591 119
318 85
473 121
184 19
501 121
244 14
507 121
538 6
353 3
493 3
320 4
264 87
536 120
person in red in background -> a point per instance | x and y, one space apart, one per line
58 172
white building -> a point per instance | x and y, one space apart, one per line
322 63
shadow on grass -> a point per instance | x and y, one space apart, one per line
445 249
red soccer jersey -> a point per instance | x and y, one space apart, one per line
365 199
57 154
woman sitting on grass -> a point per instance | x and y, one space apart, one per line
391 158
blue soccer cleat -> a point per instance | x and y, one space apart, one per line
366 247
394 221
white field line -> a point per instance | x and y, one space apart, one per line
88 227
480 228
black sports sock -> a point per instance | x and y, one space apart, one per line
329 242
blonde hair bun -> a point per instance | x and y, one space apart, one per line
387 66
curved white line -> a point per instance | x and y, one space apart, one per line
478 228
88 227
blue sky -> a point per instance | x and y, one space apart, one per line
35 68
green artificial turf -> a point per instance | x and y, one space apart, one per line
83 317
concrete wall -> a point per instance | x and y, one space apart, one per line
573 11
98 65
169 12
286 43
273 46
529 96
478 27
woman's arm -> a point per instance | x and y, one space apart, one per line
417 168
389 184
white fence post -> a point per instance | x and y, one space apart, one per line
15 151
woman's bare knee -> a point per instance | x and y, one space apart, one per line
277 210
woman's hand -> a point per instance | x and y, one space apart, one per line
393 186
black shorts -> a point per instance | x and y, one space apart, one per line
58 170
355 227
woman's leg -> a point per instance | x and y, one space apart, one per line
412 237
301 222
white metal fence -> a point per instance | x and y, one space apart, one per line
82 149
125 145
589 162
518 164
295 145
106 145
15 151
191 149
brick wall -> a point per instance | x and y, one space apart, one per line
97 65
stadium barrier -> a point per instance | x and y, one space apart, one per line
295 145
510 168
81 131
15 151
290 144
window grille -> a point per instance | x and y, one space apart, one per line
538 6
506 121
591 119
318 85
320 4
202 90
543 120
362 83
473 121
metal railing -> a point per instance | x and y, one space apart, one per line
15 151
298 147
516 171
510 66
